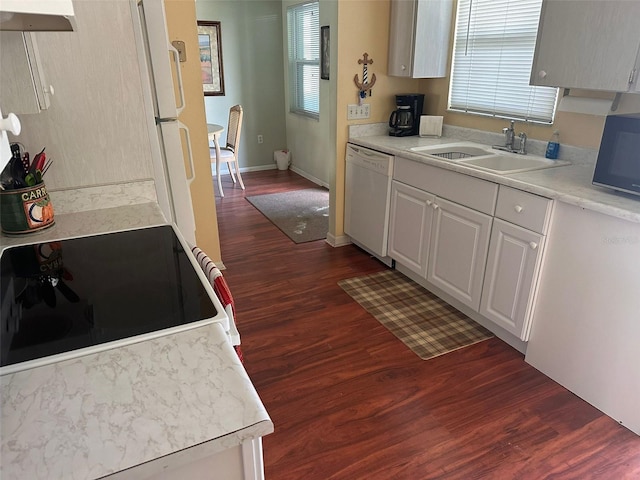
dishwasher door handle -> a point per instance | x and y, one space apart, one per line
368 153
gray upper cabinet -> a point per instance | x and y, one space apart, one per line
37 16
588 44
419 38
23 86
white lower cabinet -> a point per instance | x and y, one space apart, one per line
513 264
410 226
458 251
238 462
515 260
442 227
441 241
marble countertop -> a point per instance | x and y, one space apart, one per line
570 183
95 210
99 414
94 222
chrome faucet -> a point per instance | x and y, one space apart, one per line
510 140
522 149
509 134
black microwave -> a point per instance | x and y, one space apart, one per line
618 163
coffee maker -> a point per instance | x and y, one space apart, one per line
405 119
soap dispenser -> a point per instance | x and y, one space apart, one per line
553 147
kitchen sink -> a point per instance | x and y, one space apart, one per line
511 163
453 151
486 158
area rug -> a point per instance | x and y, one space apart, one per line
302 215
427 325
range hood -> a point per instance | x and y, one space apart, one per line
37 15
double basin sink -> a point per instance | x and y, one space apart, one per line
486 158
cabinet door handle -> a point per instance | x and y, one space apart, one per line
542 74
10 124
435 206
403 67
429 202
180 85
192 174
533 245
518 208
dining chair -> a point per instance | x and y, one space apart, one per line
229 153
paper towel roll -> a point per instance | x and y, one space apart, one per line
590 106
430 126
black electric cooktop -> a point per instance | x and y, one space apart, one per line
71 294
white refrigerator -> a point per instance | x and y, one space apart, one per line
170 139
164 101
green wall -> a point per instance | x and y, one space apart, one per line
253 74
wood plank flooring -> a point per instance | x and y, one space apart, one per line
350 401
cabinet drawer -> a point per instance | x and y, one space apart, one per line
524 209
468 191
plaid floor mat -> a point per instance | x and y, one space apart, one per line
427 325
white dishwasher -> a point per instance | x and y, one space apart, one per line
367 199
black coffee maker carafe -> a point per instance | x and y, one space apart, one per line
405 120
401 119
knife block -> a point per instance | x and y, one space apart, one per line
25 210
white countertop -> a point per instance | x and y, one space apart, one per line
95 210
98 414
570 184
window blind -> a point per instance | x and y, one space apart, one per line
304 58
493 53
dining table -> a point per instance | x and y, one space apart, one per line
214 131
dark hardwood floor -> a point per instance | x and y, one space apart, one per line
350 401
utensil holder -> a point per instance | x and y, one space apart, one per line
25 210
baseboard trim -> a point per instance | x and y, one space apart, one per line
243 169
338 241
258 168
304 174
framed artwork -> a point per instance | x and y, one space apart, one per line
210 45
324 52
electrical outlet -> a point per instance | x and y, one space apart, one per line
260 139
355 112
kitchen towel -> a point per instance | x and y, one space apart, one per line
430 126
589 106
221 289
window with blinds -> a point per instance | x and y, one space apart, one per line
493 52
304 58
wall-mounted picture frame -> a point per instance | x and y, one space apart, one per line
210 45
324 52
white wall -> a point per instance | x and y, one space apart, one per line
95 130
253 74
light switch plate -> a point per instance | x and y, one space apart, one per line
356 112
